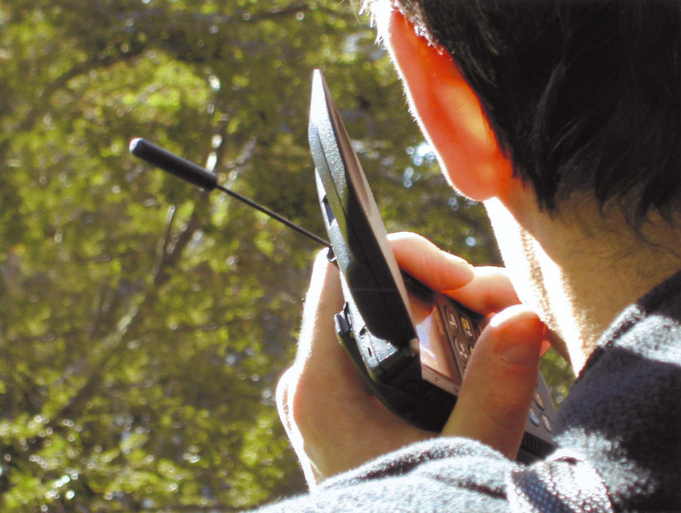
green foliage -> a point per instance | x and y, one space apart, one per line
143 323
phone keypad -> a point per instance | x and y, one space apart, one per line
537 414
462 331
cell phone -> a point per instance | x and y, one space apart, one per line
410 343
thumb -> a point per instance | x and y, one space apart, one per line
500 382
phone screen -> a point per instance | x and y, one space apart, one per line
437 360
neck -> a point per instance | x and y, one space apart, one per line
585 266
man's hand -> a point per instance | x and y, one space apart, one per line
330 415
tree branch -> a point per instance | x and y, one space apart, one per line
115 342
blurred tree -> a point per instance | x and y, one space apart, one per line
143 323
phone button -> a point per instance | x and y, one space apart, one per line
467 326
547 422
451 320
534 418
539 400
462 348
343 328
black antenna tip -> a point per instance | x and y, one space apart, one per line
157 156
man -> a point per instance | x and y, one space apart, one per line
565 120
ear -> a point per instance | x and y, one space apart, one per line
449 113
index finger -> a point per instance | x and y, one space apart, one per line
484 289
427 263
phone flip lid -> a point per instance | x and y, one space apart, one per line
356 230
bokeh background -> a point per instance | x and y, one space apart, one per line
144 322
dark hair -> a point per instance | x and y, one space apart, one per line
584 96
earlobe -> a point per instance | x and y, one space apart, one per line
449 113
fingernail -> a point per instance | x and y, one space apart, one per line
521 353
518 312
520 337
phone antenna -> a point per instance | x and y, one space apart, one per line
194 174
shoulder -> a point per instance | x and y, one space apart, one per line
623 411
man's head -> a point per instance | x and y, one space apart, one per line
582 96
